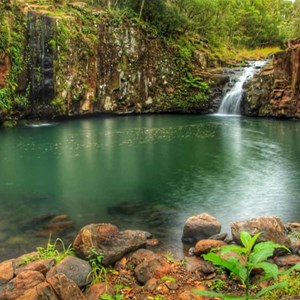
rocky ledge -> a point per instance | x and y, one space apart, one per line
275 91
130 266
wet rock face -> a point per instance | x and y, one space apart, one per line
76 64
41 73
275 91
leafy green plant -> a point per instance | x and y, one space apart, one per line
291 289
98 272
51 252
243 261
218 284
195 82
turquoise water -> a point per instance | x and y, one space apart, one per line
146 172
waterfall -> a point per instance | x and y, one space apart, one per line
41 66
231 102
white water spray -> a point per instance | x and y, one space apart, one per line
231 103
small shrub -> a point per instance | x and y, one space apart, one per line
247 258
51 252
98 272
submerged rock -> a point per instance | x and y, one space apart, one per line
200 227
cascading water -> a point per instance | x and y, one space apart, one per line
231 103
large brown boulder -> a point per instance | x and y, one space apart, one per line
109 241
272 229
200 227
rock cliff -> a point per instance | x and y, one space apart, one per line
275 91
79 60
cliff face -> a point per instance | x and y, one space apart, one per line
275 91
82 60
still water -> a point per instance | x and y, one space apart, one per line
146 172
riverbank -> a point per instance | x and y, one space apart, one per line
113 264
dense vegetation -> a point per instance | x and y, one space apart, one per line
248 23
215 28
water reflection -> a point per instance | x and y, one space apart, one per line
150 172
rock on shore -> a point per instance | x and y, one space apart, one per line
128 267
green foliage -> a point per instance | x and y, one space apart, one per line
170 257
165 19
168 278
51 251
195 82
291 289
59 105
217 285
98 272
245 259
295 29
12 39
109 297
184 53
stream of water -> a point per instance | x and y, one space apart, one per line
146 172
231 102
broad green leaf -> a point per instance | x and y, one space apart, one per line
231 263
253 241
234 248
288 271
245 238
269 244
271 270
271 287
260 256
207 293
219 295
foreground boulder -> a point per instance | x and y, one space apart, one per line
74 268
200 227
107 240
272 229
